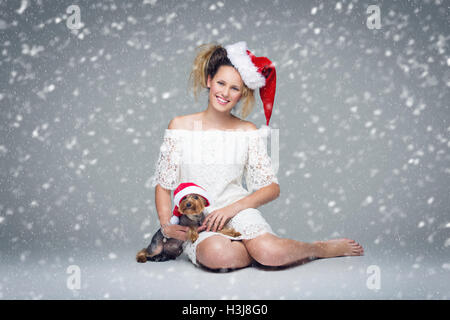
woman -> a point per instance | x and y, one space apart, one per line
230 74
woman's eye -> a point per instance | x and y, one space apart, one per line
236 89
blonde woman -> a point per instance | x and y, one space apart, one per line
197 147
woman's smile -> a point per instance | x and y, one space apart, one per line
221 100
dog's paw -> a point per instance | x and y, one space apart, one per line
141 256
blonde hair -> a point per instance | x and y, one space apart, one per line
210 57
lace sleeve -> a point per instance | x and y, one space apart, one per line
167 171
258 170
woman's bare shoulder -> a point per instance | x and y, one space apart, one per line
182 122
247 125
174 123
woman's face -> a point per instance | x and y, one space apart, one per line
225 88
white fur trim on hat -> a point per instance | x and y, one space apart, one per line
237 53
174 220
188 190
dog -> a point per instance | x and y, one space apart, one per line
162 249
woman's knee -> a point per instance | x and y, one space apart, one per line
217 252
265 249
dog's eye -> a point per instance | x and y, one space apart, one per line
195 197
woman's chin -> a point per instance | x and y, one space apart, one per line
223 108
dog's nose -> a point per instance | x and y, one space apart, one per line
188 204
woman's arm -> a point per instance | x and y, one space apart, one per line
257 198
163 204
218 218
162 196
261 196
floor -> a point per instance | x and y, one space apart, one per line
118 276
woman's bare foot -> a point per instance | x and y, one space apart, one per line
338 248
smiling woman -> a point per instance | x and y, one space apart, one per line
212 62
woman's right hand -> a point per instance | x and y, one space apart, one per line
176 231
179 232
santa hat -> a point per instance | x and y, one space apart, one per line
181 192
256 72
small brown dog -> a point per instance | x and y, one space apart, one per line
162 249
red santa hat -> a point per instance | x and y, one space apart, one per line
256 72
181 192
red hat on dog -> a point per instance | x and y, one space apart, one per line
181 192
256 72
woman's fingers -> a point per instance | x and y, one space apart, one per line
205 221
218 223
177 232
206 224
179 228
222 223
182 235
210 222
214 222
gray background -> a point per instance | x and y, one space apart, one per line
362 117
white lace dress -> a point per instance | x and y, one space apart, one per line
217 160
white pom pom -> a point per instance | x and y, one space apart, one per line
174 220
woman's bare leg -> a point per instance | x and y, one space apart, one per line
338 248
271 250
217 252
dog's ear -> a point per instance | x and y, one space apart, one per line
204 200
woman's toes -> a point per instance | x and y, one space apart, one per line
340 247
357 249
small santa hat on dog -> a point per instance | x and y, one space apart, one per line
181 192
256 72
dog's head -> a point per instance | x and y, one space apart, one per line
192 205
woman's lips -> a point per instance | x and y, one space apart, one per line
221 100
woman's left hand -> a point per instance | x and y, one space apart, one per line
218 218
